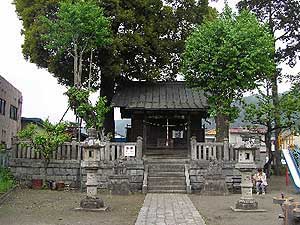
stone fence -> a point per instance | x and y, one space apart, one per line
212 150
65 164
73 151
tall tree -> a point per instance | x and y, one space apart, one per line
148 39
282 16
77 28
226 57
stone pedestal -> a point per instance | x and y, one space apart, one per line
246 202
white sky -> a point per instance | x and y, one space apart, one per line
42 95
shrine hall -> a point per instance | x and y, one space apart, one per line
165 114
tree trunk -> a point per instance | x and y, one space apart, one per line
107 89
80 68
275 99
267 166
75 66
222 127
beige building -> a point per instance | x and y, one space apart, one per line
10 111
239 136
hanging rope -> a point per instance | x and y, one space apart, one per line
164 125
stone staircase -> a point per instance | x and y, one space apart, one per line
166 175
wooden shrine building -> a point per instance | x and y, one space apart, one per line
165 114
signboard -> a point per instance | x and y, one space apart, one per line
129 150
177 134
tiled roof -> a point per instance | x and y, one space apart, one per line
160 96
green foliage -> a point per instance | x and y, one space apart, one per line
93 115
2 147
228 56
262 113
147 38
81 23
45 140
6 180
78 27
283 19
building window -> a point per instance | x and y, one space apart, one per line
13 112
2 106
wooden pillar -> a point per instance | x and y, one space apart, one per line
188 135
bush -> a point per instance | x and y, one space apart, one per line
6 180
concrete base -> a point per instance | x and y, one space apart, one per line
103 209
247 210
91 203
246 204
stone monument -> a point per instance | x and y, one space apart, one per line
246 165
214 183
91 159
119 182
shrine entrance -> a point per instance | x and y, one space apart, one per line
166 135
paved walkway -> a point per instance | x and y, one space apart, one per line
168 209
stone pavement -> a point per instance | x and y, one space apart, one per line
168 209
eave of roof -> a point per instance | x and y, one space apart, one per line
160 96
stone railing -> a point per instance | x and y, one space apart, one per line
73 151
68 151
206 151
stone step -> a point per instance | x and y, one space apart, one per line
166 188
153 160
166 168
165 182
166 191
166 174
163 178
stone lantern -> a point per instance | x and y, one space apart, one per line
91 160
246 165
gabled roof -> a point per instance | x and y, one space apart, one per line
160 96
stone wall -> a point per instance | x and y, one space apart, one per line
198 170
71 173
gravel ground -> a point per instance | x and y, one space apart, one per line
46 207
216 209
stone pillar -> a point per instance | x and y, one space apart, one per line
226 149
193 147
74 150
107 152
246 165
139 147
91 160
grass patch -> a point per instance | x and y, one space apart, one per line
6 180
